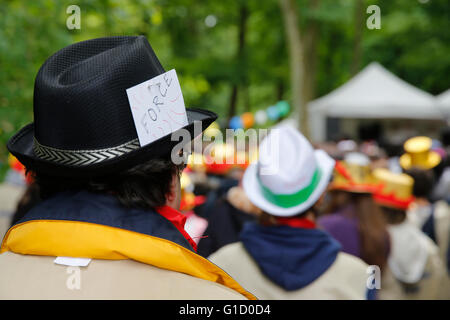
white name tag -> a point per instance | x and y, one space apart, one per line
158 107
72 262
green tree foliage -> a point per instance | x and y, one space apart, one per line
200 39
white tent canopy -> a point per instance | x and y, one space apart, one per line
374 93
443 102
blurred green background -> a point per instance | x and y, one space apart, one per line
230 56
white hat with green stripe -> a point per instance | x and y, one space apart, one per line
290 176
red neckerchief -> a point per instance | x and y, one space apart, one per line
297 222
178 220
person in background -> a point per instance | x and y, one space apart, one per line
433 218
195 226
415 270
352 217
227 208
227 217
441 189
218 167
284 255
430 215
109 205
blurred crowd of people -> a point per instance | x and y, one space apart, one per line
391 212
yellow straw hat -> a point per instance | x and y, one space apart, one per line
395 189
419 154
353 174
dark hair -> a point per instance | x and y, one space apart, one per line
423 182
29 199
445 136
393 215
372 229
268 219
143 186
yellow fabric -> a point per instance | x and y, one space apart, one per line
89 240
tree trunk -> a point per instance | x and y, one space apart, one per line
243 17
310 56
233 102
358 29
289 11
280 89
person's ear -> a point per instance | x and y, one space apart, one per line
173 198
172 190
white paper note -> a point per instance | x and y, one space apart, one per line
73 262
158 107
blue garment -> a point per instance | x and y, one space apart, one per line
428 227
290 257
430 230
105 210
371 294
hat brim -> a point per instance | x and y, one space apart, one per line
21 146
354 188
254 193
432 161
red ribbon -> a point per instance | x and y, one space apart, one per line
392 201
297 222
343 171
178 220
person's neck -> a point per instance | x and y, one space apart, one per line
422 201
310 216
306 221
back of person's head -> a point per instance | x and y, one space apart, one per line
423 182
143 186
445 136
374 241
393 215
372 229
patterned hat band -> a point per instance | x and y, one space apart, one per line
81 158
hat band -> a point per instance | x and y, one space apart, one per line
83 157
390 200
294 199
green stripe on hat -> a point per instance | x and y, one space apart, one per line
294 199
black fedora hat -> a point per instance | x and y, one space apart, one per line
83 125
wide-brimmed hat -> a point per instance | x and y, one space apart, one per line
289 176
395 189
353 174
419 154
83 124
